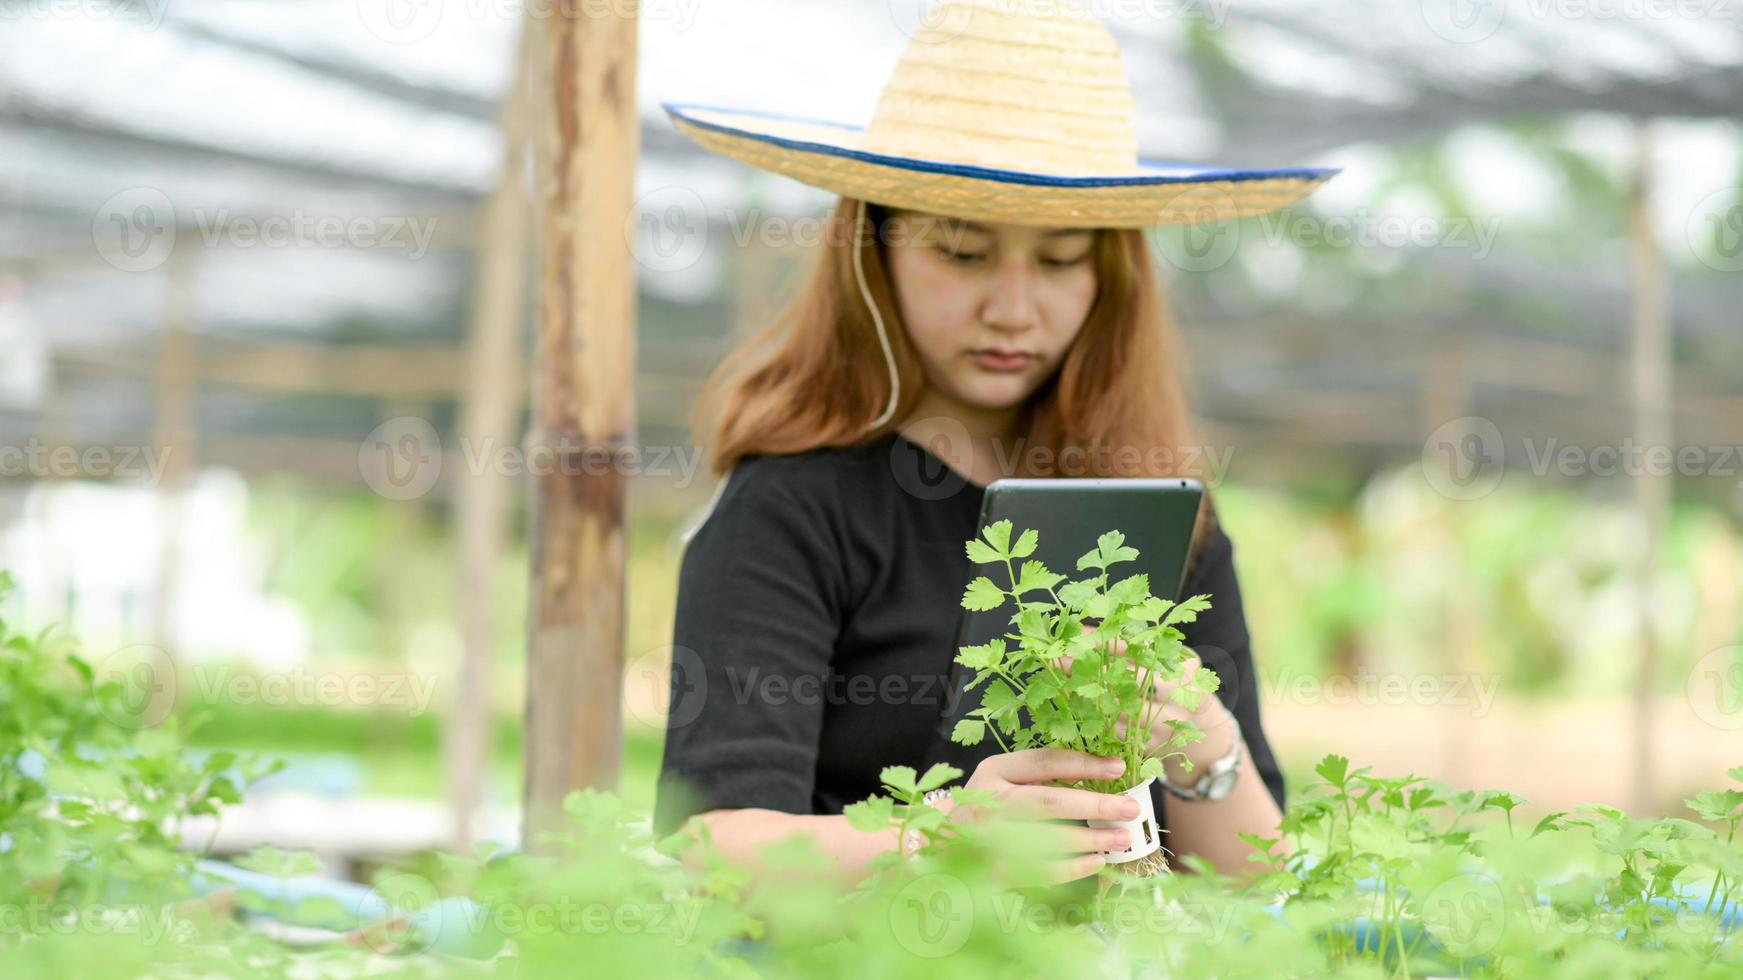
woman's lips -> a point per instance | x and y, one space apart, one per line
1002 363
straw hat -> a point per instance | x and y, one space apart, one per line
1014 111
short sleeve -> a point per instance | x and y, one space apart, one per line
1222 642
759 609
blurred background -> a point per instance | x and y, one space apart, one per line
267 312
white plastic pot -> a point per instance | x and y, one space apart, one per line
1146 834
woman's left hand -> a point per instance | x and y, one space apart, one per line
1210 716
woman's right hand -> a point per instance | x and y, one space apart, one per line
1023 784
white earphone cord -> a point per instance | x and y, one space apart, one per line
877 319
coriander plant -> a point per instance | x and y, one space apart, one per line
1059 681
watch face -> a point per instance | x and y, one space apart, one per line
1221 784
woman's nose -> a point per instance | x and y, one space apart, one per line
1011 304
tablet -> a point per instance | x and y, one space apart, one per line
1157 516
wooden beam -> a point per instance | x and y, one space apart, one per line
1651 367
489 411
586 130
173 434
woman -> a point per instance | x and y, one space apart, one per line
1003 309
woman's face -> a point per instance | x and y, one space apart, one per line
990 308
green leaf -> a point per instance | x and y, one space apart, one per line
1549 822
998 535
982 595
870 815
1716 804
981 554
1076 595
899 778
1187 611
1111 547
1334 769
1091 559
939 774
1036 576
984 656
1063 729
969 731
1025 544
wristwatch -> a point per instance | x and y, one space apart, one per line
914 840
1218 778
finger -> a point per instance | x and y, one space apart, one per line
1032 766
1062 803
1081 839
1058 873
1071 838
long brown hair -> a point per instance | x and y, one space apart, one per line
815 376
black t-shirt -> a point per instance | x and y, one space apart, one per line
818 607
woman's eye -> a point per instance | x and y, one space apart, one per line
964 257
1065 263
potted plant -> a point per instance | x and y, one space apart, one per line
1083 656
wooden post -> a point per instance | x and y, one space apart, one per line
586 128
173 435
489 411
1446 396
1652 427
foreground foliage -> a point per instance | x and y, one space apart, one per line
1370 876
